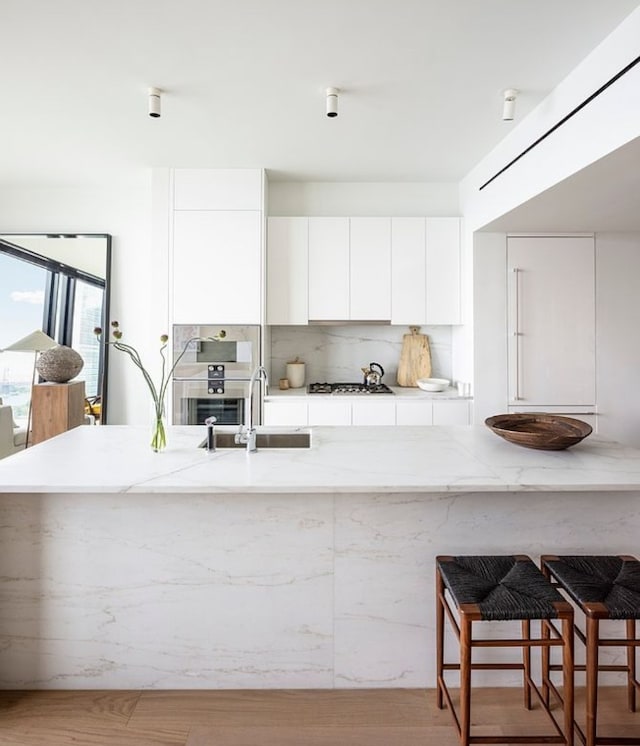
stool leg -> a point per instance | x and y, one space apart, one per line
526 662
545 653
465 680
568 680
545 634
593 636
631 665
439 639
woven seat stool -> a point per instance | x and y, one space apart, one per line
603 587
501 588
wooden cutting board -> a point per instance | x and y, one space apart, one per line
415 358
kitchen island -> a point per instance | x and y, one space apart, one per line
121 568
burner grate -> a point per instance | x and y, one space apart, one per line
348 388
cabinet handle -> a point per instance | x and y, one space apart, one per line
516 332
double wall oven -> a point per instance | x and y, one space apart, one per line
212 378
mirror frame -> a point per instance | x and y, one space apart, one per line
11 241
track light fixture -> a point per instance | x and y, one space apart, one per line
332 102
154 102
509 107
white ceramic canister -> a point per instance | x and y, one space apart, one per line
295 374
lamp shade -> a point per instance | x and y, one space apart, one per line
34 342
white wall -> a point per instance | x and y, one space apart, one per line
490 325
124 211
328 199
617 339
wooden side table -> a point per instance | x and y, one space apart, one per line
55 408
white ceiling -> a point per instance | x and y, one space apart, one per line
245 80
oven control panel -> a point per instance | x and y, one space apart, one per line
215 378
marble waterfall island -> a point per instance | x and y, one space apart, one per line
122 568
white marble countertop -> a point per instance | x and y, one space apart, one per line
400 392
114 459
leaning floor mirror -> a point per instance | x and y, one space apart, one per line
58 283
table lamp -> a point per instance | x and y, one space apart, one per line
35 342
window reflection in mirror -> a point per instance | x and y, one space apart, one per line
60 284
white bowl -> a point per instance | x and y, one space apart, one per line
433 384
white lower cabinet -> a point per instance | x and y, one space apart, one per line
414 413
326 411
373 413
452 412
329 412
290 413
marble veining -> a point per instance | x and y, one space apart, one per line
337 353
355 459
121 568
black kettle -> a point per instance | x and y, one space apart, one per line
373 374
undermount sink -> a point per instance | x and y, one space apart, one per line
264 440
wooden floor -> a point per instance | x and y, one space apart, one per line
389 717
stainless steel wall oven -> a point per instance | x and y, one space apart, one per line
212 378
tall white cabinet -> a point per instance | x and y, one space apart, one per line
551 321
426 271
328 269
216 246
287 270
400 270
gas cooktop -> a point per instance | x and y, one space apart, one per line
348 388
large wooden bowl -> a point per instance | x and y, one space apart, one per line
547 432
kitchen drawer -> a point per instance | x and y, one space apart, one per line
329 412
414 413
451 412
373 413
285 412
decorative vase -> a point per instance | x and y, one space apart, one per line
159 431
59 364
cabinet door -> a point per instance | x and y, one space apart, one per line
328 268
408 271
414 413
285 412
443 271
373 413
370 269
451 413
551 320
287 271
217 189
329 412
217 268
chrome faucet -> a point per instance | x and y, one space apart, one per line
247 433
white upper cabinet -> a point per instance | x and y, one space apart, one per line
408 270
551 320
217 267
443 271
287 270
217 189
370 269
426 271
328 269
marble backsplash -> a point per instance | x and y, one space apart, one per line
337 353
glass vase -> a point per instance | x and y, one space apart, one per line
159 432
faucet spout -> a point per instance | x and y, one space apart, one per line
247 434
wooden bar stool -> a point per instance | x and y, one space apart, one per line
603 587
501 588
